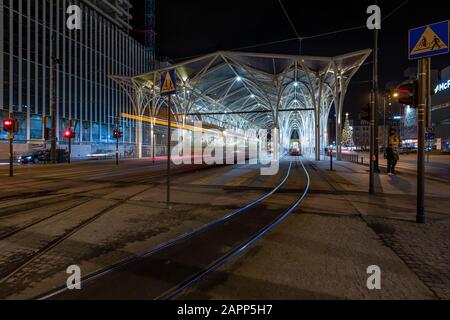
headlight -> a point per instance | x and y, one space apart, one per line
29 158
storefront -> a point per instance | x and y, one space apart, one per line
440 115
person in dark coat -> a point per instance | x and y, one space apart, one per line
392 159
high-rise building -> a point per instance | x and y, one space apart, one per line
34 31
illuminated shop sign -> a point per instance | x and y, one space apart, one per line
442 87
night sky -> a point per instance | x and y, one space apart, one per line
197 27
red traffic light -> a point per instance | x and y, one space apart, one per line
69 134
117 134
8 125
11 125
408 93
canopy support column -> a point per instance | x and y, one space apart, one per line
317 119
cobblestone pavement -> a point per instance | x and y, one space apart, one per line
424 248
322 251
314 256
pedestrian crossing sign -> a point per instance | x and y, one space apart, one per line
429 40
168 83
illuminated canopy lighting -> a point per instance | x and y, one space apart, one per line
241 87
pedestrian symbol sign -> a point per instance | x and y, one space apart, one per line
168 83
429 40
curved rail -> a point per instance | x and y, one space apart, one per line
170 243
237 251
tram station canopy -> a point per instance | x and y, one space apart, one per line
242 90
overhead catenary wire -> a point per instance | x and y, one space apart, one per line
292 26
395 10
263 44
289 19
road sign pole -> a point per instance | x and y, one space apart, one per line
168 87
425 42
428 108
169 138
376 167
421 118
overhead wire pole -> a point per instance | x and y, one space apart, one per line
376 99
372 147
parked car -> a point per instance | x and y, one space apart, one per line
43 156
34 157
407 150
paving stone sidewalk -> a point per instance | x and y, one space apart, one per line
323 250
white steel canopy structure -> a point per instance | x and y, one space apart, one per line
241 90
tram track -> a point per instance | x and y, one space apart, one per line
59 192
66 235
171 268
30 258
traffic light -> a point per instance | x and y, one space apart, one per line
11 125
408 93
69 134
8 125
117 134
365 112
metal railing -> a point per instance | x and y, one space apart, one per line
354 158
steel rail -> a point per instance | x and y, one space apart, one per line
237 251
126 262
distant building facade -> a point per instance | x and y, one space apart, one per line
361 134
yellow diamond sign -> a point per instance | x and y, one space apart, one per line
168 83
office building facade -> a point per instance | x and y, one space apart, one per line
34 31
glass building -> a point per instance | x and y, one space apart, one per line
34 31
